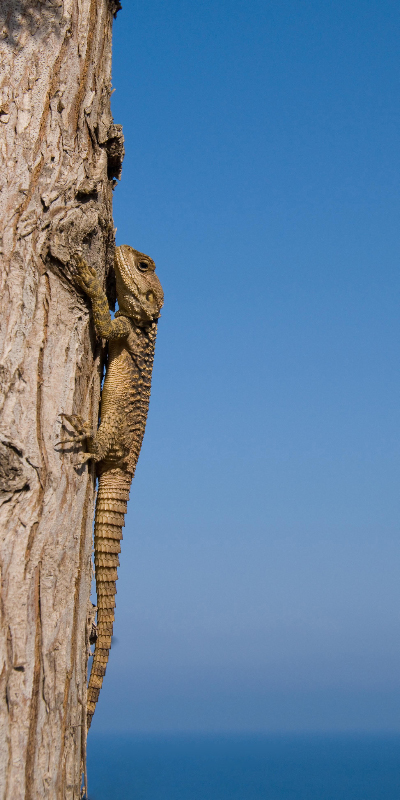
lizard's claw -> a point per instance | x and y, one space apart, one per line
81 430
77 423
83 458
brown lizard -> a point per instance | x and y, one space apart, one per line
124 405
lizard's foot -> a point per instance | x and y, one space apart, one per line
85 276
81 429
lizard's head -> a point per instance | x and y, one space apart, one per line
139 291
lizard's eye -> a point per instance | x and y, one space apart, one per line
150 297
143 266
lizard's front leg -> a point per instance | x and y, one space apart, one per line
87 279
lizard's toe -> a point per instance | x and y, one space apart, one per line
83 458
77 423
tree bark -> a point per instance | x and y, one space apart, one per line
60 155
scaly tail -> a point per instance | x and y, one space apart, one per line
112 498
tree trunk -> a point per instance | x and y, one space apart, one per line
60 155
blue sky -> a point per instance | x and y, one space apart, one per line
259 574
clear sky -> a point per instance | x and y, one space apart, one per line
259 584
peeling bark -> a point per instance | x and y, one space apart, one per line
60 154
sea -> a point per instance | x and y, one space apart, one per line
244 767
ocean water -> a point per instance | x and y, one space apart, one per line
248 767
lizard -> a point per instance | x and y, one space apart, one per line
124 403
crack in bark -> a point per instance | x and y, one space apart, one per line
39 403
34 706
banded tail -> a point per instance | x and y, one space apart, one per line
112 498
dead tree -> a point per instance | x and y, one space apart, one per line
60 155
